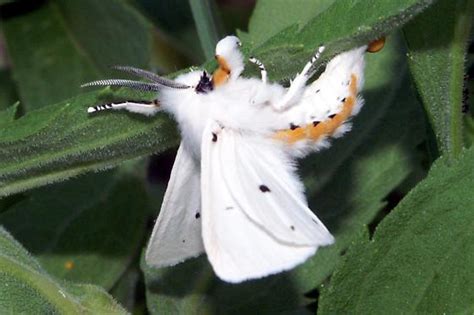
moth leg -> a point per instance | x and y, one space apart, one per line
263 71
147 108
298 85
215 129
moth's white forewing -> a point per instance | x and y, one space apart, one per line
177 232
261 179
249 233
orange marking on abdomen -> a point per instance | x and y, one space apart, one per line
324 128
222 73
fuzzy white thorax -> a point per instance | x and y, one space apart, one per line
240 105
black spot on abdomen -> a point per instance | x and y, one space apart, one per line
264 188
293 126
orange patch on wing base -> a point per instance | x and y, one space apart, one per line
222 73
324 128
376 45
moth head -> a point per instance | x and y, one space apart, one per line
229 57
228 45
205 84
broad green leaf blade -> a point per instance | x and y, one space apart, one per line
343 25
346 185
86 230
8 115
420 258
207 25
73 42
272 16
62 141
27 289
437 55
125 290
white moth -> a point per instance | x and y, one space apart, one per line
233 191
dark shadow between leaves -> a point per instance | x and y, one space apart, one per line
16 8
195 276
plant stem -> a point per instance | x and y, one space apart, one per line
206 24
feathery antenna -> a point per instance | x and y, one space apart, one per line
136 85
151 76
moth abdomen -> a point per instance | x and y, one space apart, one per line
317 130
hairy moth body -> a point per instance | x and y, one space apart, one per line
233 191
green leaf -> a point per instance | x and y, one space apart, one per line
73 42
8 115
27 288
420 256
125 291
437 54
89 230
346 186
207 25
272 16
343 25
61 141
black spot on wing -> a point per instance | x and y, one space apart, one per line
293 126
214 137
292 227
264 188
229 208
315 123
198 215
332 116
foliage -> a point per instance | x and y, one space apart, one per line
85 235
